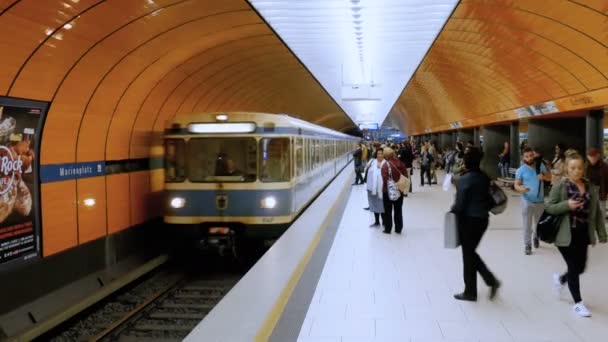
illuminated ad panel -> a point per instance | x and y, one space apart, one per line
20 125
363 52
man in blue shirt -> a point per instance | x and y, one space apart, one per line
529 183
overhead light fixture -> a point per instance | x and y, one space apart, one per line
224 127
221 117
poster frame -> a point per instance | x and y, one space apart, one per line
36 189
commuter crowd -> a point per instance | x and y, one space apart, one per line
563 201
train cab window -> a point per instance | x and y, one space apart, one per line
222 160
275 161
175 157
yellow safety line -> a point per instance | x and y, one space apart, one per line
267 328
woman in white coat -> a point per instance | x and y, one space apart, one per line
374 186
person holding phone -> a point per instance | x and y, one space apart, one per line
529 183
577 200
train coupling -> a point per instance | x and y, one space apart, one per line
221 240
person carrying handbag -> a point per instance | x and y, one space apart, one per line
472 205
392 170
577 201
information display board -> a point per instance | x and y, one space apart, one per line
20 127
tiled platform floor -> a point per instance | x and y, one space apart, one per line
378 287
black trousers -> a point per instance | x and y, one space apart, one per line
359 179
425 170
470 231
387 216
575 256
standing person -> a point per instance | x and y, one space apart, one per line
396 169
358 161
425 165
529 183
597 173
374 186
504 160
458 167
407 158
471 208
434 161
558 165
577 201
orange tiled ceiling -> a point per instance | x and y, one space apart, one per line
116 70
494 56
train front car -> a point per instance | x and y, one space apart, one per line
227 177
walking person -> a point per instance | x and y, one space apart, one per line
577 201
471 208
530 184
374 186
392 168
597 173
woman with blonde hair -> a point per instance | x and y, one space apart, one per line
576 200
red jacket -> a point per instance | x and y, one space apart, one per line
396 167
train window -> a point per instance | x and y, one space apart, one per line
222 160
175 157
299 148
275 162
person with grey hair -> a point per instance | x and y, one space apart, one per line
392 168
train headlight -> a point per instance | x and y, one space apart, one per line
269 202
177 202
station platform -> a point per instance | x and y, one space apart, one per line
379 287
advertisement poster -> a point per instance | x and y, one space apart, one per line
19 200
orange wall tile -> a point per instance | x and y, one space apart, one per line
59 224
91 219
118 202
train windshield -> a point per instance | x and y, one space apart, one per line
275 163
175 166
222 160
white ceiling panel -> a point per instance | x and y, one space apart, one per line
362 51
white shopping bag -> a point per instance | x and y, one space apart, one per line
450 231
447 182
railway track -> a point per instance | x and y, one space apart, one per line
165 307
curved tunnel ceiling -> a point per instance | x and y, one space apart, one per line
116 70
495 57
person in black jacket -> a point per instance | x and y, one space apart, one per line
406 155
471 208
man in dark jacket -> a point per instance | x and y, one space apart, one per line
597 172
406 155
358 161
471 208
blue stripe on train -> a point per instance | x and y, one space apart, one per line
240 202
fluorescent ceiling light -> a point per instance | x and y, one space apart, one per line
347 43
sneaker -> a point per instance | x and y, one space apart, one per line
528 250
558 287
536 242
581 310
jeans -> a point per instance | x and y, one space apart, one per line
531 214
503 169
470 231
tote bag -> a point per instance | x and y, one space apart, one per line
450 231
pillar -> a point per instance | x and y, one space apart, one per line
594 130
514 141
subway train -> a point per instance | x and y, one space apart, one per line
239 175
